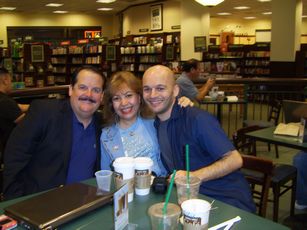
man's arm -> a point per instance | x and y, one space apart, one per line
230 162
204 90
23 107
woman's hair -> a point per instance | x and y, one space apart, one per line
117 80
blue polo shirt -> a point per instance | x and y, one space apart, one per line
83 153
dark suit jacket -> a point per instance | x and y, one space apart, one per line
38 151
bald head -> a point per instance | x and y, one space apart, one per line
160 90
162 71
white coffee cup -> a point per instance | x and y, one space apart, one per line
142 168
195 214
124 173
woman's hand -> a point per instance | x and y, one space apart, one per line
185 102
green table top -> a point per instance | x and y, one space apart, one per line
102 218
267 135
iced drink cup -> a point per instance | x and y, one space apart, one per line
142 167
169 221
103 179
124 173
183 191
195 214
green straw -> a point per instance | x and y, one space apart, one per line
188 169
169 190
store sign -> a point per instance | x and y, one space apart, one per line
177 27
65 43
83 41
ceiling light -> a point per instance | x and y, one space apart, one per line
250 17
241 7
264 0
209 2
224 13
54 4
7 8
304 16
105 9
60 11
105 1
267 13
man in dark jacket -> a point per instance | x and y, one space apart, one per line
213 158
58 141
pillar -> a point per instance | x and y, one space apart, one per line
286 33
195 21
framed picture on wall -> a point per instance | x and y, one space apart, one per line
169 53
37 53
200 44
110 53
156 17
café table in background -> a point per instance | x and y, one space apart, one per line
267 135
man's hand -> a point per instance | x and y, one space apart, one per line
185 102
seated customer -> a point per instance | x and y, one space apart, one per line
185 81
213 157
300 162
11 112
58 141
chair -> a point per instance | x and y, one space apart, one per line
282 175
272 120
243 143
264 169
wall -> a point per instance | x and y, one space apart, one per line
19 19
138 17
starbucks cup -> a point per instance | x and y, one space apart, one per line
195 214
142 169
124 174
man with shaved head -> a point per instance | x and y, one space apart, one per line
213 158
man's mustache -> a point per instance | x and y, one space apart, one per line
87 99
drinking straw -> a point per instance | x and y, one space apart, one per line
188 169
226 223
169 190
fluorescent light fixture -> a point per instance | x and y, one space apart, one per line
304 16
264 0
54 4
7 8
209 2
249 18
267 13
241 7
105 9
224 13
105 1
60 11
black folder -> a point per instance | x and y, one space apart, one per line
57 206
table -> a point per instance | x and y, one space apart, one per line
267 135
220 104
102 218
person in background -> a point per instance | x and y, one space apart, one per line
58 141
300 162
213 157
11 112
129 129
185 81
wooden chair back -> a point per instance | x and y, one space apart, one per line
258 171
243 143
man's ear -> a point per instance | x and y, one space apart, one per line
176 90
